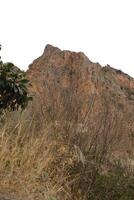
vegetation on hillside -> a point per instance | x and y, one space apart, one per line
49 166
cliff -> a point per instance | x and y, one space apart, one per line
69 88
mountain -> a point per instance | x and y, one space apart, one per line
69 89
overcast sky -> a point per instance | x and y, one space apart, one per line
102 29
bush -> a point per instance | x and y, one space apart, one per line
13 87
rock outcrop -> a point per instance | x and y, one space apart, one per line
101 99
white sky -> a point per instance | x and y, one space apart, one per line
102 29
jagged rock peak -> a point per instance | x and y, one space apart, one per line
56 57
50 49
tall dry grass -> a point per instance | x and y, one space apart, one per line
50 166
25 159
36 165
53 165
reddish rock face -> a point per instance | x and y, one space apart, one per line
68 86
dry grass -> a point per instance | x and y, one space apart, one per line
34 165
24 159
50 166
63 155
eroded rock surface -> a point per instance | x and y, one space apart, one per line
99 98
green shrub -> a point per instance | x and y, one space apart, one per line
13 87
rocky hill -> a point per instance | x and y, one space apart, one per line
75 140
69 88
